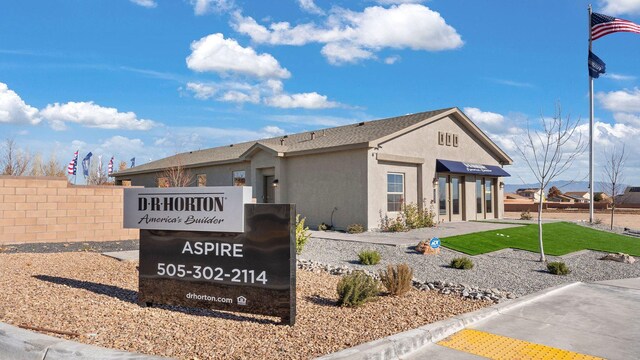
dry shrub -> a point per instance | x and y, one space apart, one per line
356 289
397 279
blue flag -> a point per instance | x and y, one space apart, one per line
596 66
86 162
133 161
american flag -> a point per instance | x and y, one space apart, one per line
602 25
73 164
110 168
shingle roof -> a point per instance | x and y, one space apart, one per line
357 133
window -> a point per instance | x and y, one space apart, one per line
455 195
239 178
202 179
455 140
163 182
479 196
448 142
395 191
442 197
440 138
487 195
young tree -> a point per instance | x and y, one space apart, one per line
97 174
51 168
548 153
613 174
176 175
14 161
122 166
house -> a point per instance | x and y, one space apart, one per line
631 196
358 173
579 196
562 198
531 193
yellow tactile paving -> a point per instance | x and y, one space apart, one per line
501 347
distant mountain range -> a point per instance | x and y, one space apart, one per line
564 186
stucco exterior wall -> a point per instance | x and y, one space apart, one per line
423 143
48 209
321 182
217 175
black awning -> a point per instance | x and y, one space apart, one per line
459 167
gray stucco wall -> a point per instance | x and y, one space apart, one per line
321 182
217 175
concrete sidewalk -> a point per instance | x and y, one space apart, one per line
412 237
596 319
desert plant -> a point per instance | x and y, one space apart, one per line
369 257
355 229
356 289
597 221
558 268
461 263
302 234
416 218
525 215
397 279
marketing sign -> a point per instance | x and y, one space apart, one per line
251 272
218 208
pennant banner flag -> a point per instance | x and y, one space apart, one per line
99 166
596 66
73 164
85 164
133 161
110 167
602 25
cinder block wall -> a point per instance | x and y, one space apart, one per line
48 209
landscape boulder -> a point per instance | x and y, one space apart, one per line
619 257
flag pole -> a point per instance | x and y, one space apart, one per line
590 131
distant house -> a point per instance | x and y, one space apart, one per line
530 193
562 198
631 196
579 196
601 196
512 196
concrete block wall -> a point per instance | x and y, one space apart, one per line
49 209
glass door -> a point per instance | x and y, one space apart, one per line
456 198
443 198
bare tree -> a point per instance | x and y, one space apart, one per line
613 174
97 174
51 168
122 166
550 152
176 175
13 160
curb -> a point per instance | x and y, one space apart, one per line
20 344
405 343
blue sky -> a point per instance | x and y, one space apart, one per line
149 78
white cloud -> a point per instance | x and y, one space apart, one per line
202 7
217 54
390 60
269 92
395 2
621 100
273 131
311 100
617 7
91 115
314 120
121 145
145 3
14 110
483 117
620 77
626 118
411 26
310 7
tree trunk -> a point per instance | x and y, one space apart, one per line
613 208
542 257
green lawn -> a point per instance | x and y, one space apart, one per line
559 239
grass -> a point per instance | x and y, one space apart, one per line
560 238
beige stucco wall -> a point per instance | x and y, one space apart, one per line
423 143
46 209
321 182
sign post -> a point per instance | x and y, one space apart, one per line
209 248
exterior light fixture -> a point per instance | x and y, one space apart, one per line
501 185
275 183
435 181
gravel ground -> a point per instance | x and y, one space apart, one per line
90 246
94 295
510 270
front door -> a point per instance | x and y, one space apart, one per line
269 191
450 197
455 188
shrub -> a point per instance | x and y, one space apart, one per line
558 268
597 221
356 289
462 263
392 225
302 234
397 279
416 218
525 215
323 227
369 257
355 229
